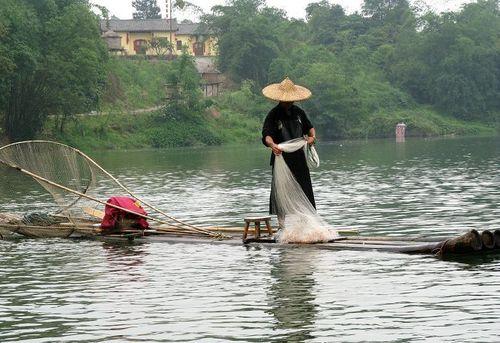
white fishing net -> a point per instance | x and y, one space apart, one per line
302 223
65 167
79 186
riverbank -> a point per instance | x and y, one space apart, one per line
153 130
218 127
235 117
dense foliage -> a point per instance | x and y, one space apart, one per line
183 82
52 61
146 9
133 84
454 61
171 109
440 73
232 118
247 38
390 57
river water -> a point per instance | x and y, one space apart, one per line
55 290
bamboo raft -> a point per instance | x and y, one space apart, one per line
68 173
472 242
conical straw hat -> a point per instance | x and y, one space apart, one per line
286 91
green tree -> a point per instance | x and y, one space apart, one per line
247 36
57 63
160 46
387 59
325 21
453 63
146 9
390 22
380 10
183 81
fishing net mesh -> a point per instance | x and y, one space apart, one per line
302 223
79 186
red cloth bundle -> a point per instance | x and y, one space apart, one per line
113 217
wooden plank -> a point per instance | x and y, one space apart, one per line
343 232
93 212
224 229
257 218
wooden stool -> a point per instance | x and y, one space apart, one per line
257 220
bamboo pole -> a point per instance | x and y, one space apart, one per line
496 234
129 191
89 229
399 238
100 214
58 226
19 228
93 231
251 230
88 159
173 229
40 178
488 239
381 241
468 242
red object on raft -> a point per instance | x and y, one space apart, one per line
114 217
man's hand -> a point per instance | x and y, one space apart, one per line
311 140
276 150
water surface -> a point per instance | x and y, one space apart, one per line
61 290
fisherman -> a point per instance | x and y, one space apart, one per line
284 122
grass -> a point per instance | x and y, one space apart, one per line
134 84
233 118
420 122
125 131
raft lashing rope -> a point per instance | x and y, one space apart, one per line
76 182
302 223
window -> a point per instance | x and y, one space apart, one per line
179 45
199 49
140 46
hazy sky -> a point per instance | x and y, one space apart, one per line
295 8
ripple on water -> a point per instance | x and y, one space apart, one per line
89 291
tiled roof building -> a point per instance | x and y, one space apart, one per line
134 36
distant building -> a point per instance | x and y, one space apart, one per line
135 36
196 38
212 78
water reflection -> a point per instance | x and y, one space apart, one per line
90 291
127 261
431 186
40 281
291 295
125 255
477 260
